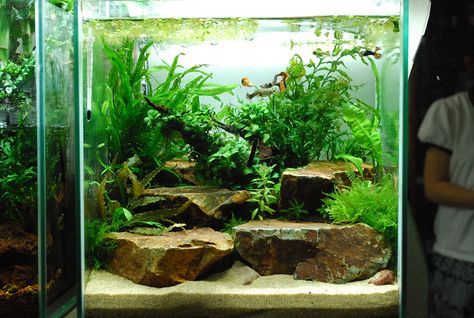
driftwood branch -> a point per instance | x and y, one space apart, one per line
161 109
198 143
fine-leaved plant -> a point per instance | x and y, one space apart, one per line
372 203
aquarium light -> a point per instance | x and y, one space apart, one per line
107 9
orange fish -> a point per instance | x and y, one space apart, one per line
246 82
282 83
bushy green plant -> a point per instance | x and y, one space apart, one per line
124 110
372 203
309 119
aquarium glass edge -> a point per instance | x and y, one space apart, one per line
403 161
40 102
79 142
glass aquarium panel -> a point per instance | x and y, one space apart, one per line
18 162
263 128
57 172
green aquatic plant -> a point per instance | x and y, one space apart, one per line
366 140
264 192
118 196
120 187
221 157
18 178
175 121
98 245
308 120
231 223
295 211
365 201
124 110
17 144
182 90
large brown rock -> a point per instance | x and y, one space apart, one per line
313 251
196 206
170 258
308 184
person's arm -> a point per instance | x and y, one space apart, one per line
437 186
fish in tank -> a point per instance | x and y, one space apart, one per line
242 156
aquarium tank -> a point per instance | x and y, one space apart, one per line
37 174
223 158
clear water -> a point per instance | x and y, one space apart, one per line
258 48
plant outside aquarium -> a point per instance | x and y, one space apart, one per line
189 143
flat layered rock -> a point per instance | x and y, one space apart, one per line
313 251
308 184
203 206
170 258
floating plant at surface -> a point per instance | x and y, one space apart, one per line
165 30
373 203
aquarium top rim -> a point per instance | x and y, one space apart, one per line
163 9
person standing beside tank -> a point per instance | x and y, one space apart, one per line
448 129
